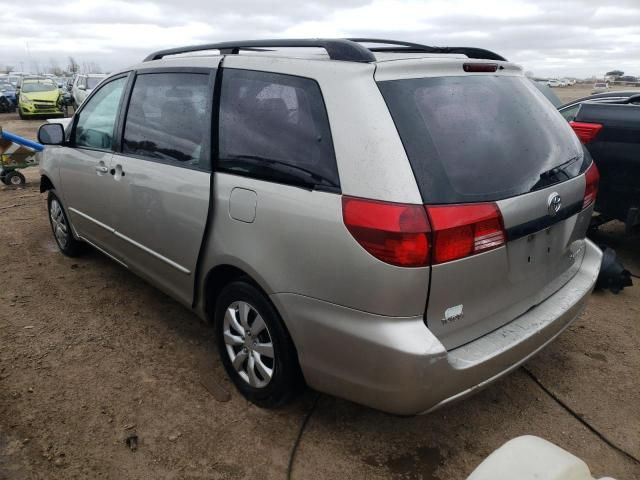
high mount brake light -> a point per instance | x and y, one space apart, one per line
480 67
416 236
586 132
592 178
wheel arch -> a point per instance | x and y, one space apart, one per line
219 277
223 274
46 184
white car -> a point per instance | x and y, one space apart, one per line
83 85
552 82
600 87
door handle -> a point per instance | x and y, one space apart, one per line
101 169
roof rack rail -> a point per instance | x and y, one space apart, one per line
409 47
346 49
337 49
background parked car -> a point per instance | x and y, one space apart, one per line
554 82
39 96
569 109
8 99
600 87
83 86
608 125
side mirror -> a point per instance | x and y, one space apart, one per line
81 87
51 134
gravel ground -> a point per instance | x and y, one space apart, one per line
90 355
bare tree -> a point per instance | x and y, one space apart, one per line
73 65
54 68
9 68
94 68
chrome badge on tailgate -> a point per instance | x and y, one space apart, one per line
452 314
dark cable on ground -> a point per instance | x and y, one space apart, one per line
533 377
303 425
600 435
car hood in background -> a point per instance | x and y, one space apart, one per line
50 96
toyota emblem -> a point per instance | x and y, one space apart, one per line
554 203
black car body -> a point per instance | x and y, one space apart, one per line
608 124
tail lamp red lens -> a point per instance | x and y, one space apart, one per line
463 230
415 236
394 233
586 132
592 178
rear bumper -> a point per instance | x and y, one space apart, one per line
397 365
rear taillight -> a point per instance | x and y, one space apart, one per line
394 233
416 236
462 230
586 132
592 178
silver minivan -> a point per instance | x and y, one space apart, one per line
387 222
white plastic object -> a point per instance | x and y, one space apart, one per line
531 458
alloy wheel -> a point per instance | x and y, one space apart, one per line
248 344
58 223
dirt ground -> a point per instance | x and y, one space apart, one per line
90 354
567 94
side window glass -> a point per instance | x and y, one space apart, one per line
167 119
96 121
569 113
275 127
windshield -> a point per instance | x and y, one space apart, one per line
92 82
480 138
31 86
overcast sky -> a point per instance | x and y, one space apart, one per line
548 37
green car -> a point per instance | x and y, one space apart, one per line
39 96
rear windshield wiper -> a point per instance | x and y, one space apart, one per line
287 172
551 176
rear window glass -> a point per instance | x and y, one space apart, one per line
481 138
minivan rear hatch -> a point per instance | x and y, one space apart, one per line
492 138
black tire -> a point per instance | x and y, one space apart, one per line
72 247
286 379
14 178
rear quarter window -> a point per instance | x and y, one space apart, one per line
270 120
479 137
